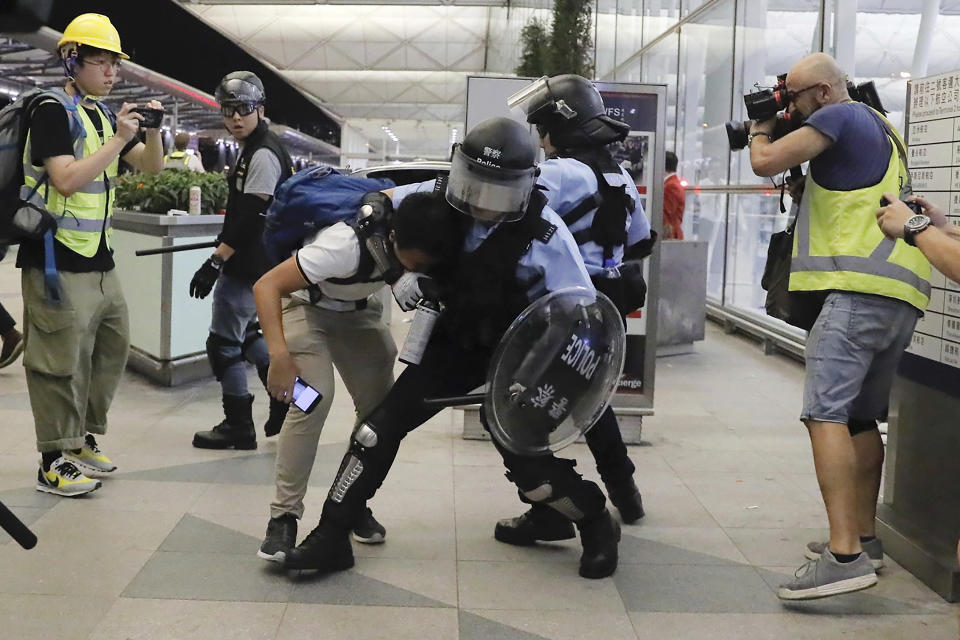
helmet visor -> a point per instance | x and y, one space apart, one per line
489 194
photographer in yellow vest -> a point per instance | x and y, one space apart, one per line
872 288
77 333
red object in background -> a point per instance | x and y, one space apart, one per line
222 212
674 202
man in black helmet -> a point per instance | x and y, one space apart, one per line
238 261
516 250
599 202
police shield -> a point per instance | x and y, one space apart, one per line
554 371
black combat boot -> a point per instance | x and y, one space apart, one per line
235 432
626 498
600 536
278 410
539 523
325 549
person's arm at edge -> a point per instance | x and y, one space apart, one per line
939 243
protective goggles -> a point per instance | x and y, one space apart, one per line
488 194
535 101
243 108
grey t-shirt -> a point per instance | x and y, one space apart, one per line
263 173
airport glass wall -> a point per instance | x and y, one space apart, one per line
710 52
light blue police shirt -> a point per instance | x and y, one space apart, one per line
547 266
566 182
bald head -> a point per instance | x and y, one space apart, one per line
816 81
817 67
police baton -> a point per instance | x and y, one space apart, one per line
454 401
17 530
177 248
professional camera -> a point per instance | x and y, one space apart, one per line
763 105
737 132
866 92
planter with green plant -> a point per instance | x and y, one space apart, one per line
170 189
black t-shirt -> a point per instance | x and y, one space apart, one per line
50 137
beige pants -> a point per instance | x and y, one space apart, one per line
74 355
362 349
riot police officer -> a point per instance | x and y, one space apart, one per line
238 261
516 250
599 203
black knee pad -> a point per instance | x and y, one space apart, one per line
859 425
222 354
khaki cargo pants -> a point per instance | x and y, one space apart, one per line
74 355
359 344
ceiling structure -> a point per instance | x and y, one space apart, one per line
396 64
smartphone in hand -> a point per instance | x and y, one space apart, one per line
305 397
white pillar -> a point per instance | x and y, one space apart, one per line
844 36
921 53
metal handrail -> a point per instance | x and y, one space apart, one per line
733 188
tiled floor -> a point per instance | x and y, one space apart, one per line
166 549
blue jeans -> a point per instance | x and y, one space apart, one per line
234 321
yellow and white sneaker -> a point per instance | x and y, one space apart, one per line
64 479
89 458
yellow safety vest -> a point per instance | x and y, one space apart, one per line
838 244
177 155
86 215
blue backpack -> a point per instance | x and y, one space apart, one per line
310 200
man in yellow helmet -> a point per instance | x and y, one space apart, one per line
77 333
873 289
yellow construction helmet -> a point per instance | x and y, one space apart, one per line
94 30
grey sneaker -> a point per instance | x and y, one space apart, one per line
827 577
874 549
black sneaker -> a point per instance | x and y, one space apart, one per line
368 530
324 549
281 537
537 524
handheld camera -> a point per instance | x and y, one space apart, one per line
151 117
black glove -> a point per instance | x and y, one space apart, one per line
205 277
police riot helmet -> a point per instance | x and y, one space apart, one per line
493 171
240 88
570 109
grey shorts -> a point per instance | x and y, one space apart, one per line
852 353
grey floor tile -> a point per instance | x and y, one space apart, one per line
475 627
774 547
229 577
542 586
698 588
330 622
142 619
353 588
555 625
196 535
678 545
41 617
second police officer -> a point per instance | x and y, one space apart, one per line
599 203
515 251
238 261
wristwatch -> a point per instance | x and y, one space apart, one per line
216 262
914 225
